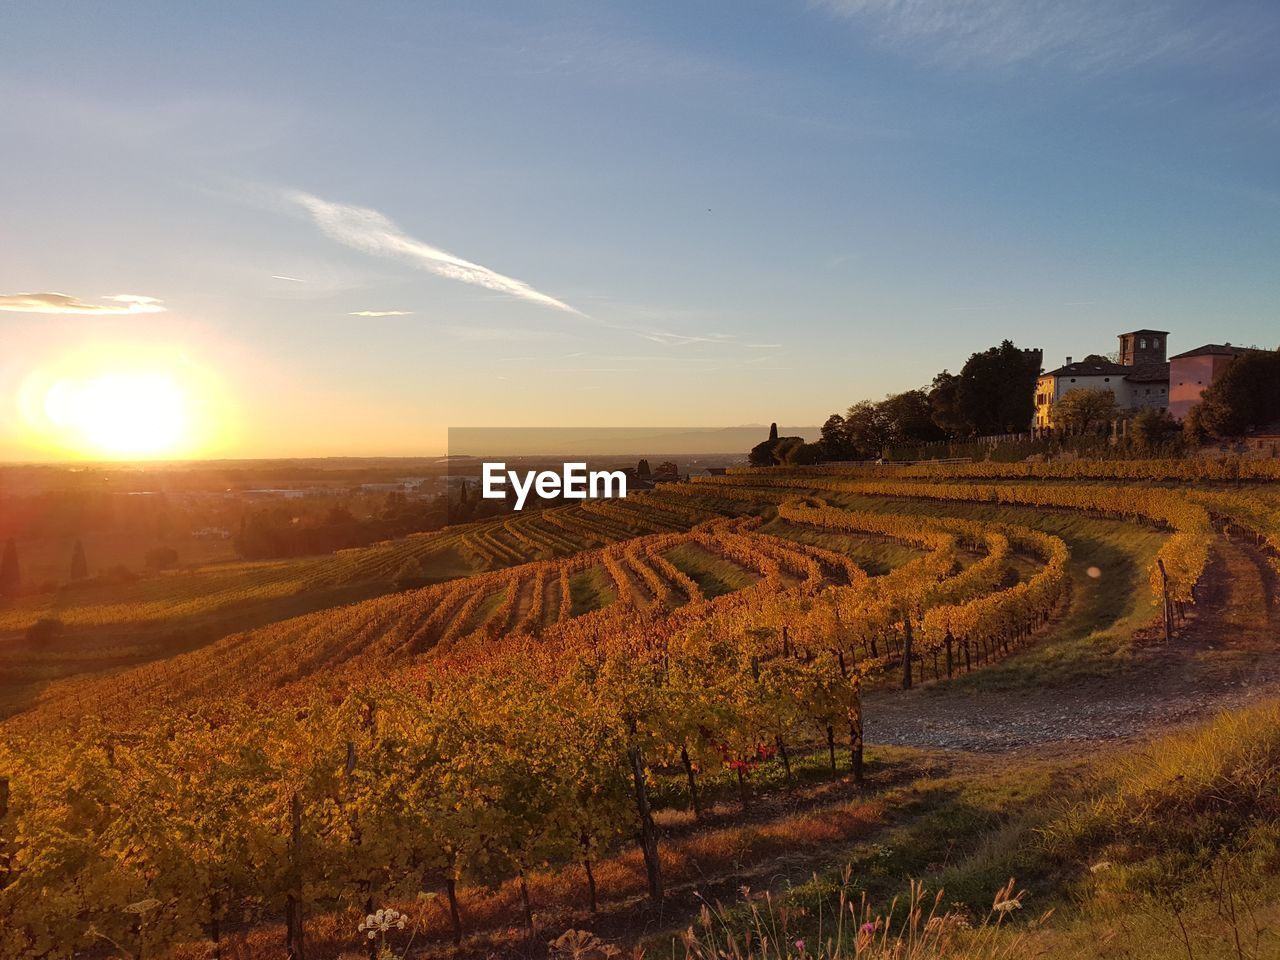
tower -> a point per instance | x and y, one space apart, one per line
1143 346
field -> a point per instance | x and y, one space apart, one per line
618 716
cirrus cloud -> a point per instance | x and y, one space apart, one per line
372 232
381 313
117 305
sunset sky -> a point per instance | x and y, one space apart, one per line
340 228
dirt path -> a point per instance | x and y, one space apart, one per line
1227 656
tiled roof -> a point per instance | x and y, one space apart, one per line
1082 369
1148 373
1214 350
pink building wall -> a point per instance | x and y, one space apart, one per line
1188 376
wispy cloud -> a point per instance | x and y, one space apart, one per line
381 313
118 305
276 276
1089 36
372 232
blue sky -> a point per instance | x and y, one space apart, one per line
597 213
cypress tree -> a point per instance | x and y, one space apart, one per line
10 577
773 431
79 565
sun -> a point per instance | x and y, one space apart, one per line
121 414
124 401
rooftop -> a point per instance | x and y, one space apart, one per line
1214 350
1082 369
1131 333
1148 373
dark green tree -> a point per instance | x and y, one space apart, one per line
1152 429
761 454
835 442
79 565
944 403
997 388
1246 395
10 574
773 431
908 418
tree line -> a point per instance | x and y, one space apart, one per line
994 392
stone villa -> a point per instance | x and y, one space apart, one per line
1143 377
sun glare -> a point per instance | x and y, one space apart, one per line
128 415
149 405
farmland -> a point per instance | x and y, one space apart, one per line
574 714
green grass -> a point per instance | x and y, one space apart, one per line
1093 638
875 557
590 590
714 575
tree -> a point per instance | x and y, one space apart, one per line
944 403
835 440
997 388
161 558
79 565
773 431
1152 428
866 430
1246 395
642 469
761 454
803 454
908 418
1082 411
1097 358
10 575
43 632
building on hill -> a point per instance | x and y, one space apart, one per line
1140 379
1191 372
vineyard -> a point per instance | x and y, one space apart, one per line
595 668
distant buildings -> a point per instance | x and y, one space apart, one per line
1194 370
1142 378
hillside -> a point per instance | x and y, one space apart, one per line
717 668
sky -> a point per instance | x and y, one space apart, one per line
339 228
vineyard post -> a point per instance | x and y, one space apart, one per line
293 904
693 783
451 891
1168 605
855 729
785 758
357 839
4 846
906 651
648 832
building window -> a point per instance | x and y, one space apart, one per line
1073 379
1142 344
1156 343
1106 379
